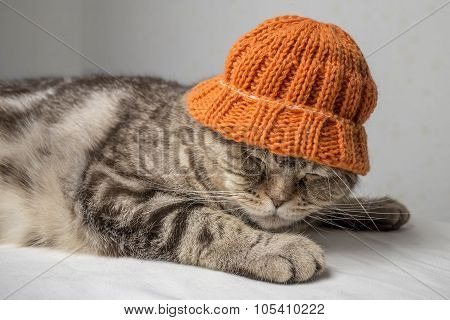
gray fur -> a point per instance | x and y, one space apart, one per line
116 167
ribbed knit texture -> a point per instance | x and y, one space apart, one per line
296 87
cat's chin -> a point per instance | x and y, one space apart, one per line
271 222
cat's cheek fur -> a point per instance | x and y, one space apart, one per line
293 213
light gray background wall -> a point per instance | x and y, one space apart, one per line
188 41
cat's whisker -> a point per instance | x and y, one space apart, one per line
350 190
314 227
350 217
362 202
353 211
329 189
329 222
341 216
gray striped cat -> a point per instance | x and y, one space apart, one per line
116 167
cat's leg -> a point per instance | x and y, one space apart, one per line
375 214
223 242
129 221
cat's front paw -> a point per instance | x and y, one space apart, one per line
289 259
389 214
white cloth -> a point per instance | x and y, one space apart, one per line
355 271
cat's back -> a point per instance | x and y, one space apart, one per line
49 129
58 114
55 121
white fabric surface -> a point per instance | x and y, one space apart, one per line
354 272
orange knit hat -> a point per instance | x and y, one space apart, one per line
296 87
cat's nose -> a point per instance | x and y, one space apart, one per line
279 189
277 202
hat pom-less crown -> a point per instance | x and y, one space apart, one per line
295 87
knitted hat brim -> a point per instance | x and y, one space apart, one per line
281 128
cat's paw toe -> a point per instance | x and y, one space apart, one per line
296 260
308 259
278 269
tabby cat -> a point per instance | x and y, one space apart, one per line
115 166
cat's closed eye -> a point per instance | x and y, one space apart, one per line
308 178
312 177
254 167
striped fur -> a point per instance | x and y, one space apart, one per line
116 167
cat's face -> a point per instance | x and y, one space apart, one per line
276 191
